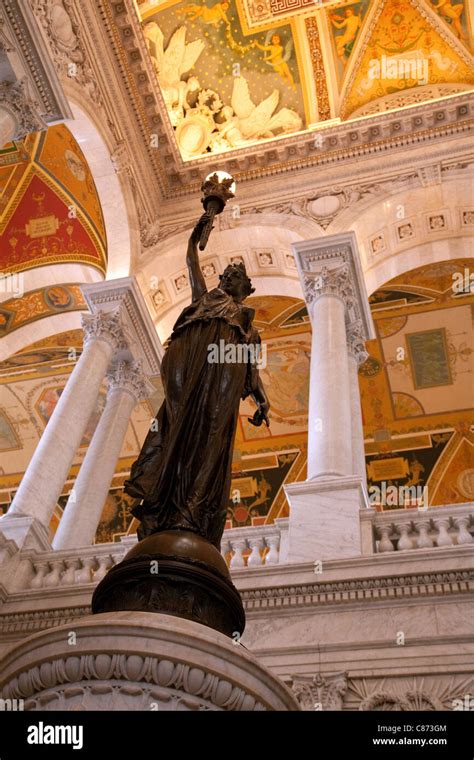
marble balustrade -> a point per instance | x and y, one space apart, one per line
415 529
248 547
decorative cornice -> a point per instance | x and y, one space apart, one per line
20 37
39 620
387 588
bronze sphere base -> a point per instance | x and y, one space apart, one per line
176 573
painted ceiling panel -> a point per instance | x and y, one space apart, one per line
49 208
236 72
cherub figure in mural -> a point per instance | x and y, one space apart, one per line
213 15
351 24
171 64
254 121
453 13
278 58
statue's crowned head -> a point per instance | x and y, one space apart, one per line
236 282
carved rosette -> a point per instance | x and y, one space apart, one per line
104 325
128 377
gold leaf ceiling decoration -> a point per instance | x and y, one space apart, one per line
233 73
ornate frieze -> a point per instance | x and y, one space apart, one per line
419 585
62 27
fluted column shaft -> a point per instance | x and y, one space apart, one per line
47 472
85 505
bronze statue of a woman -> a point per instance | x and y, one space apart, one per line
182 475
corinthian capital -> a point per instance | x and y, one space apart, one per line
130 378
328 281
104 325
330 265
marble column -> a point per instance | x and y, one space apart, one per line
329 448
47 472
127 386
357 356
324 518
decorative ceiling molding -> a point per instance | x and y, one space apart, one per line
29 59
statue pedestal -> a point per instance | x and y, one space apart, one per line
174 572
138 661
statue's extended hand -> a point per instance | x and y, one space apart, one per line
197 231
260 415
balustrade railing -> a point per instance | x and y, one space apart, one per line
410 529
250 547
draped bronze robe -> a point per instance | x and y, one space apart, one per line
183 472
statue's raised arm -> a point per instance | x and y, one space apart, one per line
196 277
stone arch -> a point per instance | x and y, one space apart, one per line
115 197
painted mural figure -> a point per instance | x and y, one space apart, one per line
213 15
351 24
264 488
277 58
454 13
183 473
